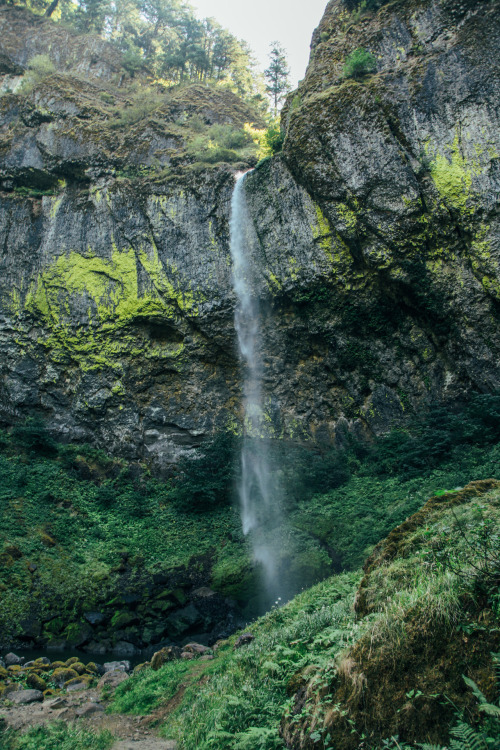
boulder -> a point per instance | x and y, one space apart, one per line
94 618
196 648
78 683
163 655
89 709
182 620
125 648
37 683
117 666
244 639
112 679
23 697
60 676
11 659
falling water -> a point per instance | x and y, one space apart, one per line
258 489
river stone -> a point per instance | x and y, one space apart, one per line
163 655
125 648
26 696
112 679
116 666
89 709
94 618
196 648
12 659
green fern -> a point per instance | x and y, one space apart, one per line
466 738
479 695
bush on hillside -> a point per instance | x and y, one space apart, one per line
206 482
360 62
38 69
33 436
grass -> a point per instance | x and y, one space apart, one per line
236 701
412 603
56 736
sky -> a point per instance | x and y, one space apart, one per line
260 22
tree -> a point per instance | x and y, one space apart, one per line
277 75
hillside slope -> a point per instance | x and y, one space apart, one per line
347 664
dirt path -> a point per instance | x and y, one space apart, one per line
131 732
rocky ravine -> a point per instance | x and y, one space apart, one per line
377 256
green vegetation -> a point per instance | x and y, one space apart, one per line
248 688
114 526
39 68
359 63
277 76
56 736
319 670
162 39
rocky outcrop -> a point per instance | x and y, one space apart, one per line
376 256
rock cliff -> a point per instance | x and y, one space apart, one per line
377 259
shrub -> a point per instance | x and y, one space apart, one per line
206 482
38 68
143 103
228 137
274 139
359 63
32 435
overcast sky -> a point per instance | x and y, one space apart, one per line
260 22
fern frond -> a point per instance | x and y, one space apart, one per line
466 738
427 746
490 709
479 695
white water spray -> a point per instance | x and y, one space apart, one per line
258 490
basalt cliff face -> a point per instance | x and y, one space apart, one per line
377 259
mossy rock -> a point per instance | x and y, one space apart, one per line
50 693
3 673
72 660
2 687
121 619
79 667
60 676
57 665
86 679
55 626
141 667
91 667
34 681
40 664
14 669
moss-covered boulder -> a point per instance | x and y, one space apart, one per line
62 675
35 681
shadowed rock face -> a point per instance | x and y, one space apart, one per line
377 260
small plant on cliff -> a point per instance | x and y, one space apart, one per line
38 68
359 63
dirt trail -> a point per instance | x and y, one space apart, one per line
131 732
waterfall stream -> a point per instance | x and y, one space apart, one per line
258 488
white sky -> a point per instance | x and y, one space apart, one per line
260 22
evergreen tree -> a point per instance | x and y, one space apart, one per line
277 75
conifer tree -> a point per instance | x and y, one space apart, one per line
277 75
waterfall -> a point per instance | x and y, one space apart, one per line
258 488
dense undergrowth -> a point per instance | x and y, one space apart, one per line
108 522
318 665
